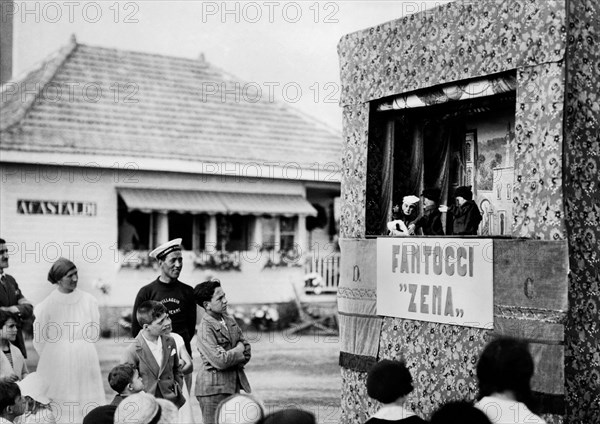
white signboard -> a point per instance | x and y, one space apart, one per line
441 280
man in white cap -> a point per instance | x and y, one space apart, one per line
177 297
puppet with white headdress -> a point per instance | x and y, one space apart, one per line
403 216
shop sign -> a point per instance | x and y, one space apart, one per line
440 280
50 207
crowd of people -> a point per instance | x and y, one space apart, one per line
152 381
504 372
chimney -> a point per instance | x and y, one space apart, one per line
7 10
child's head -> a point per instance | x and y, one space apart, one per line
389 381
505 365
125 379
204 292
33 389
290 416
153 317
8 326
11 403
459 412
142 408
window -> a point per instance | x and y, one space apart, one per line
279 233
232 232
466 142
288 231
200 224
181 225
502 222
134 228
141 230
269 232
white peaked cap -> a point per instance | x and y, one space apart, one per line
166 248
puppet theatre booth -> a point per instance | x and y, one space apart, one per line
502 96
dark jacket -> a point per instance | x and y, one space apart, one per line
466 218
164 381
178 298
430 221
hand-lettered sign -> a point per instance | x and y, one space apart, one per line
436 280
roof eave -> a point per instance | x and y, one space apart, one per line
132 164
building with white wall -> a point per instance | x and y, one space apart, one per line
107 153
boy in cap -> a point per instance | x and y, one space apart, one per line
389 382
465 213
38 405
143 408
430 222
177 297
403 217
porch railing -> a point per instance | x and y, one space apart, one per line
328 267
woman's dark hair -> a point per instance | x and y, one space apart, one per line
289 416
389 380
506 365
204 292
5 316
459 412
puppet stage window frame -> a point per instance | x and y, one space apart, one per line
434 150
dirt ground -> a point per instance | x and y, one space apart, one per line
286 370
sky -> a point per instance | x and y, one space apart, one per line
290 46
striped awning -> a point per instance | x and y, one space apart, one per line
212 202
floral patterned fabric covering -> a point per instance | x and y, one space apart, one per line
452 351
538 154
582 212
466 40
356 405
354 172
453 42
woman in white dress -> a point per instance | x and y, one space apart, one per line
66 327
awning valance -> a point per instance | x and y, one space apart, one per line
471 89
212 202
267 204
